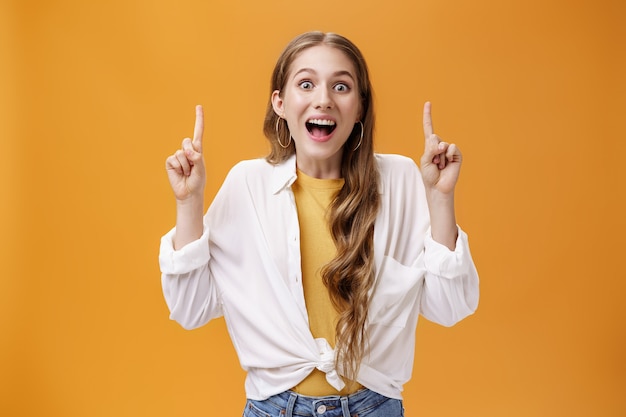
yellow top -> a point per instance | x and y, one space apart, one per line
313 197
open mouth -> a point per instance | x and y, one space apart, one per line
320 128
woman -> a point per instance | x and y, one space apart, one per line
322 256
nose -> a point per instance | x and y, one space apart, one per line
323 99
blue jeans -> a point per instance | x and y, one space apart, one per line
364 403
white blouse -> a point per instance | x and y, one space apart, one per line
246 267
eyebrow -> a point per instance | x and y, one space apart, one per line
336 73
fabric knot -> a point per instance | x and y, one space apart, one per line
326 364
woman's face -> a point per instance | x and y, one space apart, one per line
321 104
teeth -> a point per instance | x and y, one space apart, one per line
321 122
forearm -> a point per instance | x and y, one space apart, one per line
189 227
442 218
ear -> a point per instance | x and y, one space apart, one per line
278 103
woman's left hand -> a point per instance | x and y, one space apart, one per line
441 162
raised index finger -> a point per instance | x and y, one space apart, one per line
428 121
198 129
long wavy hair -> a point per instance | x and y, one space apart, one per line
349 277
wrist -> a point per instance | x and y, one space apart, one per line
192 200
190 211
189 220
439 199
442 218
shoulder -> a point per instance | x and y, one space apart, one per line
245 169
393 165
398 173
251 165
252 175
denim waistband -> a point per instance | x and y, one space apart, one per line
291 404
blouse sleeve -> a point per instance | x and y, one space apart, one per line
451 281
190 292
448 278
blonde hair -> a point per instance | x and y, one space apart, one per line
349 277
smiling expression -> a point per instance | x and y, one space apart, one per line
320 102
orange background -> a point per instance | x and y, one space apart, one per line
94 95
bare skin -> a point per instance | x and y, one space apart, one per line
440 167
187 175
321 85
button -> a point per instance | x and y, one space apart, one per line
321 409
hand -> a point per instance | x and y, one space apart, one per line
185 168
441 162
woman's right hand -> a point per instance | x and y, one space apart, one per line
185 168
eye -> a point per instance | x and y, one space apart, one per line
306 85
341 87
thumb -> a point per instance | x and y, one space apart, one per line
191 153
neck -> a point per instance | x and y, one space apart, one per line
321 169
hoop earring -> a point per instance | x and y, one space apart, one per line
278 135
361 138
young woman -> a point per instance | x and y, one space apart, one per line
321 256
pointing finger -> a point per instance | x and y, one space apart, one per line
428 121
198 129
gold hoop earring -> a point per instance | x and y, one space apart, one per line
361 138
278 135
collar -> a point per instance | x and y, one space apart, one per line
283 175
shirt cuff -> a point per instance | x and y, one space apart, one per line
446 263
190 257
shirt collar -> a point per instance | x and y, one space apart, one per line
284 175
